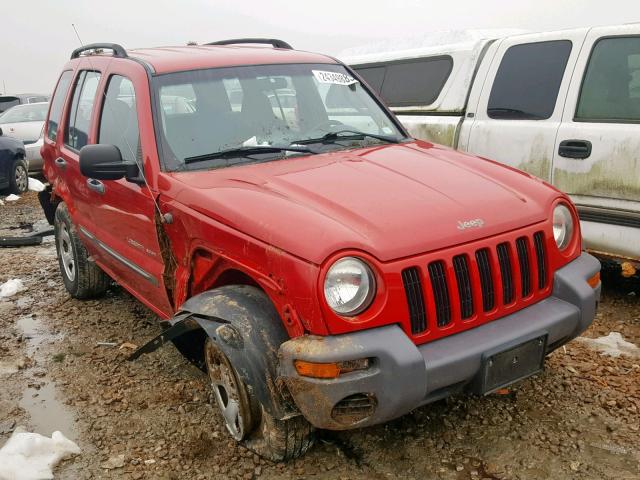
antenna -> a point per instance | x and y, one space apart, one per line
133 155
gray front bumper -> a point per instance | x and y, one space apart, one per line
404 376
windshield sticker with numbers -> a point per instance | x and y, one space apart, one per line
335 78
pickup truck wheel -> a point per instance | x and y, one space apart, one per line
82 277
246 419
19 179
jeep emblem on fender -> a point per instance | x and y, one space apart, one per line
475 223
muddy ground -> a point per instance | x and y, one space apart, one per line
62 368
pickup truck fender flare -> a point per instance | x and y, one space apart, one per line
246 326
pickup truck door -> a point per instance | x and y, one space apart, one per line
517 108
597 151
121 214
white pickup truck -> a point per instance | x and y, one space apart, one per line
563 106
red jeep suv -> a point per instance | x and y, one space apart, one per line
325 269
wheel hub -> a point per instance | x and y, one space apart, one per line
22 178
66 252
227 391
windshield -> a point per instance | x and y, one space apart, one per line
204 112
35 112
7 102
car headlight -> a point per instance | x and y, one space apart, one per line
349 286
562 226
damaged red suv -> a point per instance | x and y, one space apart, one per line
323 268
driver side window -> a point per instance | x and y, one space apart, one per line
119 118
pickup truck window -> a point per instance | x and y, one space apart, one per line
528 80
204 112
119 118
57 103
77 131
611 85
409 83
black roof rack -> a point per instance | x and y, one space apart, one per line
118 50
270 41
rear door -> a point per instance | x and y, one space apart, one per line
518 113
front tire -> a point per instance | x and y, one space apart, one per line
82 277
246 419
19 177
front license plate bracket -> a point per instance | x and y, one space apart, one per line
513 364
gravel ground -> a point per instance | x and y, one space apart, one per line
153 418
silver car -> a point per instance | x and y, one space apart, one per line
25 122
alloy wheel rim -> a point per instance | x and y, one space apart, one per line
224 384
66 253
22 178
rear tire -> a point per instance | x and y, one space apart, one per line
81 276
245 417
19 177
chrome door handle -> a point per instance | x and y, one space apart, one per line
61 163
95 185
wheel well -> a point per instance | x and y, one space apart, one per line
234 277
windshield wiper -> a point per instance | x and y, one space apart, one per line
353 135
245 152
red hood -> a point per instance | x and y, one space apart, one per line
391 201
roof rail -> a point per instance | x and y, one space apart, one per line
271 41
118 50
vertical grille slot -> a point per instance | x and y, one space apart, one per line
506 273
541 258
463 280
415 299
486 279
525 268
437 274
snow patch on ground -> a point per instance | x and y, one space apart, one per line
12 198
35 185
11 287
613 345
31 456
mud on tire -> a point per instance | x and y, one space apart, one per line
81 276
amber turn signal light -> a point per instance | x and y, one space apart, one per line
329 370
594 281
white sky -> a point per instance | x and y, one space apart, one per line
36 37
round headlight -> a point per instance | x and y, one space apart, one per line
349 286
562 226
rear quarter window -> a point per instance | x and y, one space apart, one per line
57 103
409 83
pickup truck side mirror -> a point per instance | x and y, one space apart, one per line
104 162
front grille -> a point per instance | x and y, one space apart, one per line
541 258
476 286
505 273
486 279
354 408
523 260
415 300
464 286
438 277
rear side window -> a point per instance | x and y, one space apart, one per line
57 103
7 102
528 80
409 82
119 118
84 94
611 86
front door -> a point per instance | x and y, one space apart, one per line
597 152
123 213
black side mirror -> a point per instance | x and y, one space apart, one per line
0 132
104 162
